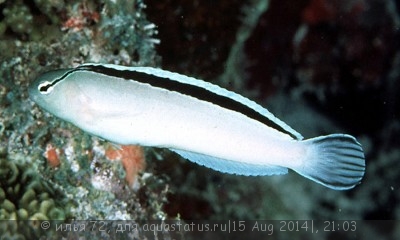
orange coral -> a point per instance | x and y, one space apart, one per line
51 154
132 158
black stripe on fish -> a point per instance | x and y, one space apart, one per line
186 89
45 86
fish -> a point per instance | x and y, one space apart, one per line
200 121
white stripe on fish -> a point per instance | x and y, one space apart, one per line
200 121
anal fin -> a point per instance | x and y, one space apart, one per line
229 166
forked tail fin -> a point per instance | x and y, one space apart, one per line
336 161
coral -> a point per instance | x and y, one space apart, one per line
49 7
30 21
283 50
47 159
85 16
19 18
132 158
125 28
51 155
25 196
144 201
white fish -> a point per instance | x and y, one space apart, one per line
200 121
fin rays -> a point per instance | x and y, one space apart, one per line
335 161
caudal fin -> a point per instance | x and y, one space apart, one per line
336 161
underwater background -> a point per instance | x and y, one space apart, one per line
321 66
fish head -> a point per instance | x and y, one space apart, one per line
53 92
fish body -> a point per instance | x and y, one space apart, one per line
200 121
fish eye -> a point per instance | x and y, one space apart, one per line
45 87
